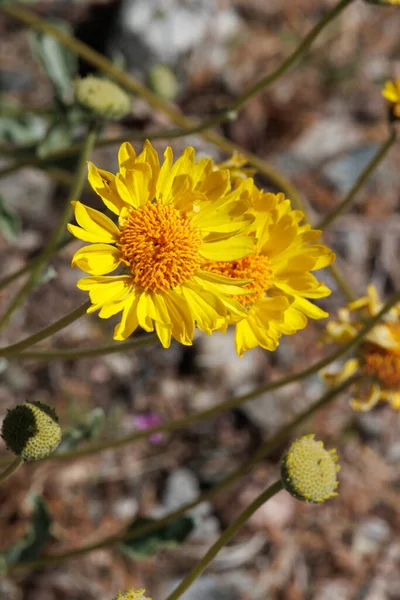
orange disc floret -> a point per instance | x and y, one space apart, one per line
254 267
160 246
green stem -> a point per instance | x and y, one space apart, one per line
14 466
59 230
371 166
75 314
75 353
236 401
293 58
226 536
263 451
342 283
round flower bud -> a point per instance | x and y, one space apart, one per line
31 430
132 595
102 97
309 472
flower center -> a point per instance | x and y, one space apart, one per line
383 364
254 267
160 246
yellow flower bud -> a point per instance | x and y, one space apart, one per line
31 430
309 472
132 595
102 97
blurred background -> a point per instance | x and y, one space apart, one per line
319 124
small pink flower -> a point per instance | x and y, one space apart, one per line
147 421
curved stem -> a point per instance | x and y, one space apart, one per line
58 232
224 538
46 331
342 283
371 166
74 353
14 466
232 402
263 451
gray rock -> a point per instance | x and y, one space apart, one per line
151 32
370 536
344 171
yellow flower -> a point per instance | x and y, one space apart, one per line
170 220
391 92
280 272
378 356
309 472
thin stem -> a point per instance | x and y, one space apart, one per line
232 402
263 451
224 538
369 169
58 232
75 353
72 316
293 58
342 283
14 466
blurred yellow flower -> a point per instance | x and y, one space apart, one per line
132 595
277 300
379 354
391 92
170 220
236 167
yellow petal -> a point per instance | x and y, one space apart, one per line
129 321
230 249
106 289
97 259
103 184
94 223
207 310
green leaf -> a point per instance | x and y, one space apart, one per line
85 431
10 225
166 536
59 63
30 546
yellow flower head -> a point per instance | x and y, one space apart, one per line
277 299
170 220
132 595
102 97
31 430
309 472
391 92
378 356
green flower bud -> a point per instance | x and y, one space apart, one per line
309 472
102 97
31 430
132 595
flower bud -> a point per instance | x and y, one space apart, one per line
309 472
102 97
132 595
31 430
